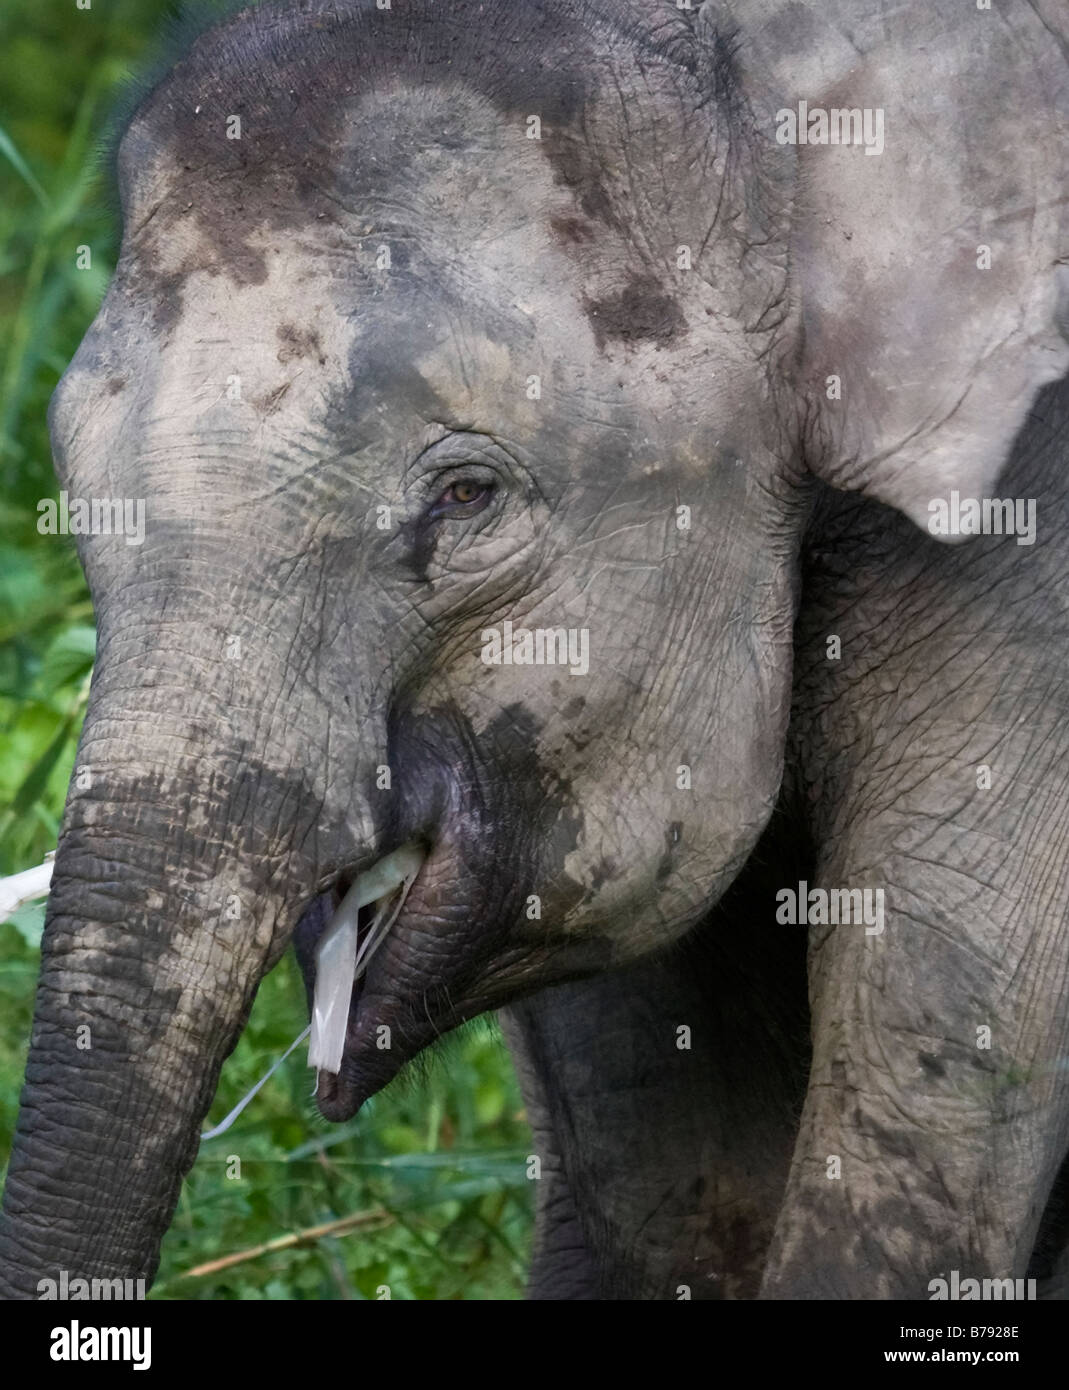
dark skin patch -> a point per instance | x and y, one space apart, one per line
576 169
243 265
269 403
381 374
931 1064
574 708
572 231
298 343
419 536
640 311
605 871
673 837
166 293
115 385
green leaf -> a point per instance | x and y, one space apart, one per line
69 656
34 783
29 921
7 148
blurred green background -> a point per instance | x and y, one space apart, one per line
431 1173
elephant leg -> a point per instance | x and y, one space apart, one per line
936 1113
562 1265
664 1102
1050 1257
933 754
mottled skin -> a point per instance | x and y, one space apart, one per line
268 384
949 1152
952 1149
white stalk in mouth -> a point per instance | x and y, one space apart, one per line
338 964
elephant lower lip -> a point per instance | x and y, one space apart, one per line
327 1095
363 1073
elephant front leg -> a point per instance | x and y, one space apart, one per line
936 1114
928 745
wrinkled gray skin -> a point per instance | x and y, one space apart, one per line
253 774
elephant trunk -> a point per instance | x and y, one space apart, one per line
169 893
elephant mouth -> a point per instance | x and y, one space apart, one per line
335 941
399 953
393 961
347 944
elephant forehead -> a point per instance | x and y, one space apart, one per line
244 367
306 130
323 350
439 195
456 152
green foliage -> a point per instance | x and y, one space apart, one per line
440 1156
436 1163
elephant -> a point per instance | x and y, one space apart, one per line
604 560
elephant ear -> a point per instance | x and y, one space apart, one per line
927 276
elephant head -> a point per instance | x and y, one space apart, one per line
473 366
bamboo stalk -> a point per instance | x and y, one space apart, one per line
308 1236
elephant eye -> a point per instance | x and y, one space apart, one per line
464 497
